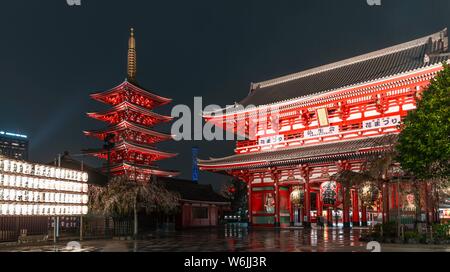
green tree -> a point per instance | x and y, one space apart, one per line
424 143
236 192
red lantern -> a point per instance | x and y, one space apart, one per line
330 193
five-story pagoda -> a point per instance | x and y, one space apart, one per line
129 140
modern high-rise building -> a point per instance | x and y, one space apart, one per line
14 145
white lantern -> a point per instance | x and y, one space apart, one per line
6 164
6 180
85 177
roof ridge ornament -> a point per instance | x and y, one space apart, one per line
132 67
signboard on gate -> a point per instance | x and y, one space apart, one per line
319 132
271 140
382 122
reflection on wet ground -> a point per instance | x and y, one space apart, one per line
232 239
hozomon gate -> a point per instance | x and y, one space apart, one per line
313 124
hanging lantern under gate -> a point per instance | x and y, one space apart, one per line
329 193
297 197
369 193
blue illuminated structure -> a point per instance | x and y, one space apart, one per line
13 135
195 173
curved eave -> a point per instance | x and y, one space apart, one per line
144 169
264 164
125 106
128 125
315 98
307 154
101 95
132 147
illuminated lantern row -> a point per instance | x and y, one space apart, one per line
18 167
39 183
41 190
41 210
41 197
329 193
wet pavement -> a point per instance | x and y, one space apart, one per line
232 239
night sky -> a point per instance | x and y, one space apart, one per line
52 56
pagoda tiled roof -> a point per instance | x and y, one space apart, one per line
127 105
127 145
406 57
128 125
135 87
305 154
150 169
191 191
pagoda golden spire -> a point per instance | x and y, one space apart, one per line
132 57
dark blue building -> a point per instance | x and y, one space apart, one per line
14 145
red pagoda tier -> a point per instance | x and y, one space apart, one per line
129 139
130 112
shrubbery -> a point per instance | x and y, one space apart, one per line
387 233
441 232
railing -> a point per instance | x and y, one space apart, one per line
13 227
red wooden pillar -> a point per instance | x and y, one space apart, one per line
346 210
397 196
330 217
385 202
307 216
319 206
277 198
355 208
277 205
363 215
394 196
301 209
249 200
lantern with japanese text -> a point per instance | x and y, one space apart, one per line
329 193
297 197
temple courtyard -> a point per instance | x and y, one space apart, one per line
232 239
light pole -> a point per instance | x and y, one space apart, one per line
109 145
82 169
